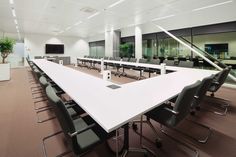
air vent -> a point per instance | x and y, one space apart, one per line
88 10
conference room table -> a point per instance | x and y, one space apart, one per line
113 108
134 64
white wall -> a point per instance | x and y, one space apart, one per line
73 47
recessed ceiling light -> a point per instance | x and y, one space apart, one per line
15 21
116 3
13 12
95 14
11 1
17 27
211 6
162 18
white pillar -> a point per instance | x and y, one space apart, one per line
109 43
138 42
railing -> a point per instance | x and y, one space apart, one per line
199 52
205 53
222 65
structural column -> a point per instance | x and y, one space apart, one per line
138 43
109 43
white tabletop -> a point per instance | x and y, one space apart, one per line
112 108
145 65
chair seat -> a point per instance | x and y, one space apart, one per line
162 116
87 138
212 89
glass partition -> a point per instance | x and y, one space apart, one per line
212 51
97 49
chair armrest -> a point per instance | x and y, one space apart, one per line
216 83
82 130
170 110
70 106
70 102
196 97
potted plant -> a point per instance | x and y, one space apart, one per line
6 47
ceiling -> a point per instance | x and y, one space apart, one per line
55 17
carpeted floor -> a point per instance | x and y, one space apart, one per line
21 135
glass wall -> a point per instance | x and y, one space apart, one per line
97 48
150 48
127 47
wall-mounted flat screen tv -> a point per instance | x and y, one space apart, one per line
54 49
216 48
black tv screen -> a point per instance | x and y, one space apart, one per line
216 48
54 49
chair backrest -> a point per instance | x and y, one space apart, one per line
133 60
117 58
201 92
111 58
63 116
170 58
43 81
182 58
221 77
38 57
155 61
183 103
125 59
187 64
106 58
142 60
169 62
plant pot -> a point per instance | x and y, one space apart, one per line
5 72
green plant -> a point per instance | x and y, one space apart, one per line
126 50
6 47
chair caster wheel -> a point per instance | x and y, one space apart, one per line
135 127
212 94
158 143
192 113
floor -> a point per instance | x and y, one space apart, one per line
21 135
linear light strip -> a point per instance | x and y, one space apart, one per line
213 5
164 17
11 1
116 3
95 14
13 12
15 21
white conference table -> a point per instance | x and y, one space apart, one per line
136 64
113 108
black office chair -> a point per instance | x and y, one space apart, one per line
152 70
81 134
117 66
132 60
217 82
141 69
186 64
171 116
169 62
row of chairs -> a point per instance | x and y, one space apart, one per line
92 65
81 132
172 113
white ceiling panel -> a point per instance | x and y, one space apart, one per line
54 16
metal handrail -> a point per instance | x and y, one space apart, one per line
205 53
